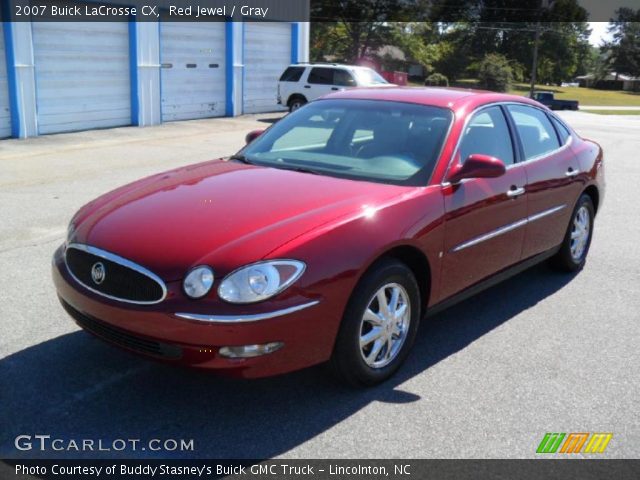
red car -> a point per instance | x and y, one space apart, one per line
331 234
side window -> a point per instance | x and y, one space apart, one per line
343 78
536 132
321 76
488 134
563 132
292 74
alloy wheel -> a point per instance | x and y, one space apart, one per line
385 325
580 231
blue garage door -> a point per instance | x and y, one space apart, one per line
82 75
267 53
5 117
193 70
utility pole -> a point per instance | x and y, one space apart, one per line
544 4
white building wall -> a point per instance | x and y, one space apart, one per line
140 101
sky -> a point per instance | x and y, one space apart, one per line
603 11
598 33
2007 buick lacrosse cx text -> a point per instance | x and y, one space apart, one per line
331 234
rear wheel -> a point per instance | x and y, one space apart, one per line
379 325
296 102
577 240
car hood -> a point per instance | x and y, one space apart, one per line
221 213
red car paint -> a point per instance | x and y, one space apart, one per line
227 214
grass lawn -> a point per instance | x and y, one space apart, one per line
613 112
586 96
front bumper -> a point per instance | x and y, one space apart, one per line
156 331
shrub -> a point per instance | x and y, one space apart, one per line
495 73
436 80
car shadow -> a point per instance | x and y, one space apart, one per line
75 386
270 120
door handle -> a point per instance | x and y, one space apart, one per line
514 191
571 172
335 88
307 86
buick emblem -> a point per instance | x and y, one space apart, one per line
98 273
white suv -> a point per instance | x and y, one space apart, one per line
302 83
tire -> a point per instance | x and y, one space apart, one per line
348 361
575 246
296 102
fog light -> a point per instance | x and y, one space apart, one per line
248 351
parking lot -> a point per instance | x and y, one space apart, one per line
543 352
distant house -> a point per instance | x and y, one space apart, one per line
397 58
612 81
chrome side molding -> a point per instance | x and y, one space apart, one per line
506 228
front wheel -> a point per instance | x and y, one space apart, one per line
379 325
574 249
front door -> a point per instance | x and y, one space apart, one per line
484 217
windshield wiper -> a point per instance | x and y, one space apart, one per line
297 169
240 158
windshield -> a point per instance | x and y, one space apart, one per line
380 141
366 76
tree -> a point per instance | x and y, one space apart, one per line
360 25
415 40
625 46
455 49
560 49
508 28
494 73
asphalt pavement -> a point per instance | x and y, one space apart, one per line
543 352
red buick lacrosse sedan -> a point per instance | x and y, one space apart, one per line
331 234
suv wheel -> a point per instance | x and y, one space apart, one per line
296 102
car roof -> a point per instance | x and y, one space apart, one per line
328 65
452 98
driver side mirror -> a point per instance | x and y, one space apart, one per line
477 166
251 136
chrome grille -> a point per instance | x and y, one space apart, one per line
121 279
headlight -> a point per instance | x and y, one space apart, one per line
198 282
260 281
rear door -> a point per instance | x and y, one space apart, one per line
324 80
553 178
485 217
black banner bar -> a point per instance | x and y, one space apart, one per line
542 469
155 10
312 10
